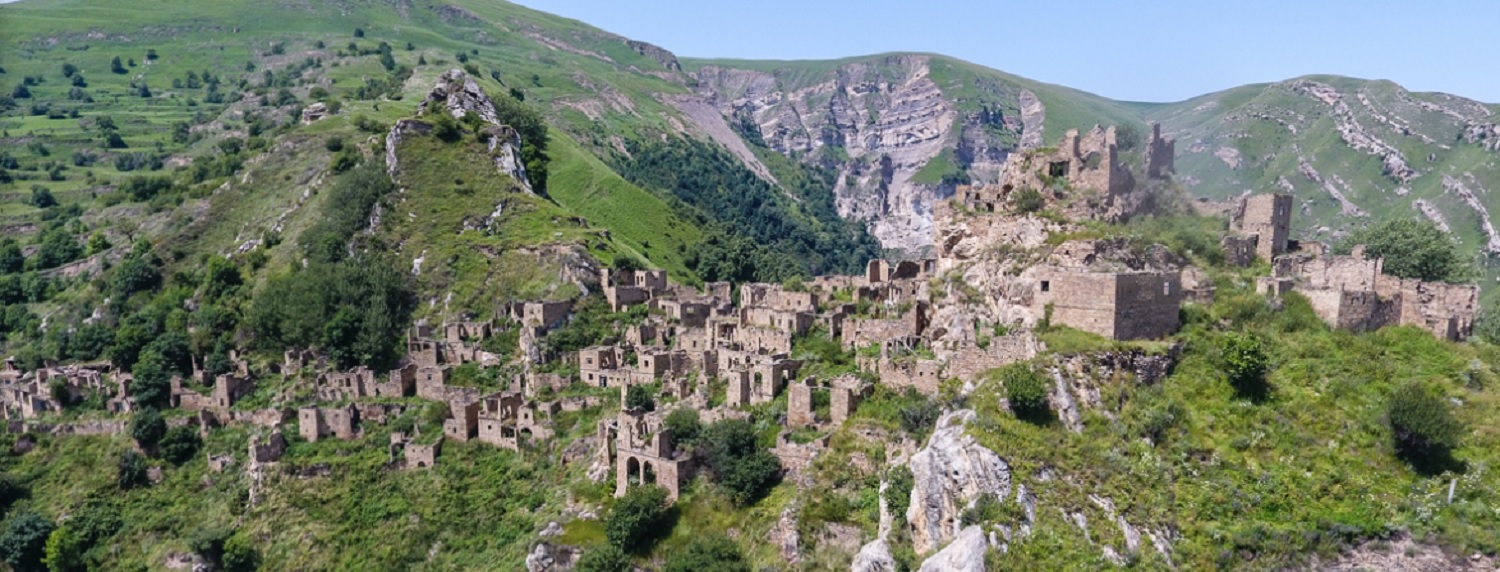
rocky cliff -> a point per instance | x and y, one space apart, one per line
950 474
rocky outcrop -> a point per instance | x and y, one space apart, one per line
547 557
666 58
949 475
1354 134
1458 188
877 122
965 554
459 95
1077 379
874 557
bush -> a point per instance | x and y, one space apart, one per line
737 462
1026 390
42 198
1423 426
639 396
1028 200
240 555
637 519
1413 248
23 545
147 428
1245 364
604 558
684 424
131 470
64 551
712 552
919 414
180 444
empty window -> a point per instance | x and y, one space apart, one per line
1046 286
1166 288
1058 169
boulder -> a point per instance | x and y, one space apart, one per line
965 554
874 557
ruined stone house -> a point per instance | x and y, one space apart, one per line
639 446
1263 222
1127 305
315 423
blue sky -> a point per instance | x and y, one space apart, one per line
1157 51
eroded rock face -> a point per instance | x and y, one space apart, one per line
874 557
887 116
457 94
950 473
965 554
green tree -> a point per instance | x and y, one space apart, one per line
116 67
240 554
637 519
64 551
147 427
11 257
1413 248
58 247
69 69
684 424
131 470
604 558
23 545
639 396
1245 363
220 277
180 444
745 470
41 197
1026 390
711 552
1423 426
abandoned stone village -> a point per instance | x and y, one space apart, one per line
1004 262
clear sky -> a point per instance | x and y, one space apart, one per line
1130 50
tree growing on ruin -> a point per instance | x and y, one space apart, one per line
1413 248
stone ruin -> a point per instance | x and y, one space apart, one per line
639 447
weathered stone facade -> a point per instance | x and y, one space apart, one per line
1118 305
1265 219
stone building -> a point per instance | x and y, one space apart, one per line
315 423
1264 220
1351 292
639 447
1119 305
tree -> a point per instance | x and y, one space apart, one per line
684 424
712 552
180 444
220 277
41 197
64 551
1413 248
11 257
637 518
1423 426
69 69
737 462
24 543
131 470
240 555
58 248
639 397
20 92
604 558
147 428
359 32
1245 364
1026 390
116 67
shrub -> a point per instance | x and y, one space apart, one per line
147 428
180 444
604 558
131 470
638 396
64 551
23 545
637 519
1026 390
712 552
1028 200
919 414
1413 248
737 462
240 555
334 144
898 490
684 424
1245 364
1423 426
42 198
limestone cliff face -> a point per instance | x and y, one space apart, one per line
877 122
949 475
458 95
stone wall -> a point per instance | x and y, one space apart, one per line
1268 218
